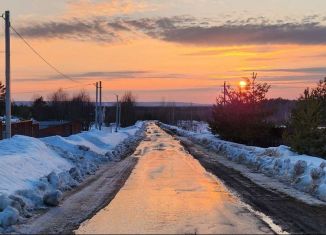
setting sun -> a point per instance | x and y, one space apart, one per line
243 83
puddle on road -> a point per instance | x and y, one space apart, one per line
170 192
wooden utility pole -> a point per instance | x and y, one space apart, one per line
117 114
8 98
224 94
173 106
191 116
254 76
100 119
96 106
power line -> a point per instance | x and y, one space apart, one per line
42 58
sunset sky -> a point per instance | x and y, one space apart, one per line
172 50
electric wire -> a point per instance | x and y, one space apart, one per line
53 67
42 58
48 63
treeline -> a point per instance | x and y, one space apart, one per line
60 107
167 113
244 115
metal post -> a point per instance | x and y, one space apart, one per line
191 116
96 108
173 106
100 119
117 114
8 98
103 114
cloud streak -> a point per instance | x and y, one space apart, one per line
184 30
110 75
94 30
312 70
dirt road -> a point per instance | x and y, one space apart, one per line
92 195
290 214
170 192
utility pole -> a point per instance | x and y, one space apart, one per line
103 114
224 94
173 106
191 116
96 108
117 114
100 119
8 98
254 76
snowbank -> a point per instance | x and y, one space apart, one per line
195 126
35 172
24 159
305 173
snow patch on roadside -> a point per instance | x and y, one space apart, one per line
302 172
24 159
35 172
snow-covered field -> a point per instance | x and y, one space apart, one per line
304 173
34 172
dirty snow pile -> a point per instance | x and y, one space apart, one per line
195 126
303 172
34 172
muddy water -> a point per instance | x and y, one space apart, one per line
169 192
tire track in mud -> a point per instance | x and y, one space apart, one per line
292 215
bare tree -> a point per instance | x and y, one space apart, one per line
81 109
59 104
40 109
128 112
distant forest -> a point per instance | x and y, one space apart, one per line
280 110
167 113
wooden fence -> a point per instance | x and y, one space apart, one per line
64 129
22 128
29 128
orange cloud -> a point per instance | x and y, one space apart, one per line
153 69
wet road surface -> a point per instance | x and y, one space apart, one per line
170 192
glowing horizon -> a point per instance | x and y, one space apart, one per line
172 51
